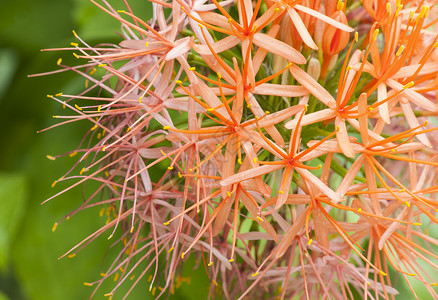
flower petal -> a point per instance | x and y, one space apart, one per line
278 47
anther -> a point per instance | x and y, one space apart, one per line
309 242
210 264
87 284
192 69
255 274
75 55
170 250
78 107
72 255
54 227
375 34
74 44
50 157
59 61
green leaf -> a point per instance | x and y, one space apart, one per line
13 194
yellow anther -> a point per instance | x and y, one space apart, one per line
75 55
132 229
215 283
198 211
128 129
55 117
281 192
434 284
74 44
103 148
72 154
180 175
83 171
78 107
103 274
87 284
190 170
276 9
288 65
93 71
75 34
309 242
425 123
416 224
260 219
340 5
356 36
210 109
267 112
393 150
370 109
255 274
201 26
338 128
219 75
348 68
49 96
111 235
239 161
170 168
139 99
58 95
166 223
72 255
170 250
383 273
359 210
435 45
54 227
319 167
411 15
116 277
121 11
231 260
54 183
375 34
249 105
192 69
59 61
50 157
147 44
94 127
424 12
407 204
402 190
101 65
388 8
306 107
228 194
182 255
108 295
254 160
210 264
229 20
400 50
166 127
99 107
162 152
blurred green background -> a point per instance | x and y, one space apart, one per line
29 268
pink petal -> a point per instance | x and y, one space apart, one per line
280 90
301 28
323 17
277 47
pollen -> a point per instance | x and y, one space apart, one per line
375 34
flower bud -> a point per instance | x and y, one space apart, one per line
335 40
314 68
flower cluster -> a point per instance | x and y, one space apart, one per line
289 145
